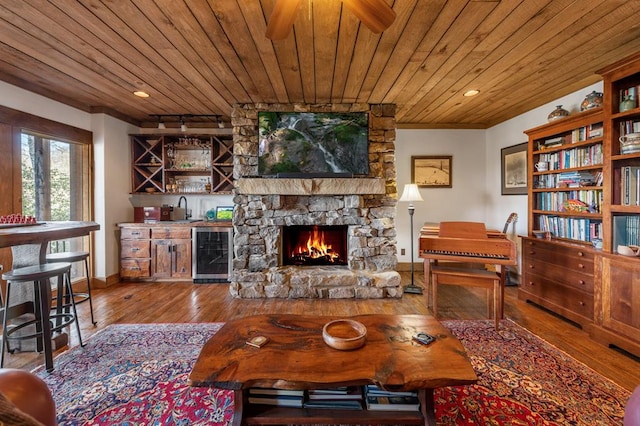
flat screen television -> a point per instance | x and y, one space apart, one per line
313 144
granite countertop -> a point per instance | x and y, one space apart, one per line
180 223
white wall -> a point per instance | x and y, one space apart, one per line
463 201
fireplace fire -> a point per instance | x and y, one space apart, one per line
314 245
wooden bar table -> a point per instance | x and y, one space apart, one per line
296 357
29 244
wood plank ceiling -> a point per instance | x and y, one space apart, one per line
203 56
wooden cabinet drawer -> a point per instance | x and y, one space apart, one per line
135 248
135 268
559 296
174 232
134 233
573 258
568 277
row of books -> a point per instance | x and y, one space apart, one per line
343 398
580 134
626 230
629 126
570 227
573 179
590 199
575 157
630 186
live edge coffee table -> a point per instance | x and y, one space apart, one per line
296 357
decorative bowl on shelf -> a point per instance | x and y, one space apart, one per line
344 334
150 190
592 100
558 113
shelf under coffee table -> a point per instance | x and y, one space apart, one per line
296 357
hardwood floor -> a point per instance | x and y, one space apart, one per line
186 302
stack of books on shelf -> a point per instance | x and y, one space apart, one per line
552 142
576 179
344 398
280 397
629 186
381 400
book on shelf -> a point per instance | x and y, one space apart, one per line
273 391
377 391
278 400
347 393
630 185
551 142
626 230
392 403
279 397
337 404
378 399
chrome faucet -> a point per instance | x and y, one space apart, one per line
186 210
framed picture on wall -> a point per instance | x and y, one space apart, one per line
514 169
432 171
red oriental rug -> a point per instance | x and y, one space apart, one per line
137 375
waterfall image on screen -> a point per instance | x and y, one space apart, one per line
293 144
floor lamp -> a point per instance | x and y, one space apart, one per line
410 194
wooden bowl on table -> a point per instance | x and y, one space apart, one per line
344 334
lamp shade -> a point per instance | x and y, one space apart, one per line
411 193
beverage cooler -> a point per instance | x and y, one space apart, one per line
212 254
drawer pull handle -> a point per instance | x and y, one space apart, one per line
135 249
581 282
580 254
581 303
580 265
532 252
530 266
531 283
135 268
137 234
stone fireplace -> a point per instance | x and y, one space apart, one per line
362 210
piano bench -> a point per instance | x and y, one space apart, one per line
469 278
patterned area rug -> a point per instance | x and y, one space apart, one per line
137 375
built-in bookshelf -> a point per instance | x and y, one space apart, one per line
566 160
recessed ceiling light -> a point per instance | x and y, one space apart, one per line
472 92
141 94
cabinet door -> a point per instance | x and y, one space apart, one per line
621 296
161 258
171 258
181 258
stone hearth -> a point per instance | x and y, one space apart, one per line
366 205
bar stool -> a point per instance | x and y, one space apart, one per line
72 257
39 276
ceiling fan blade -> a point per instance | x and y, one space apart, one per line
375 14
281 20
